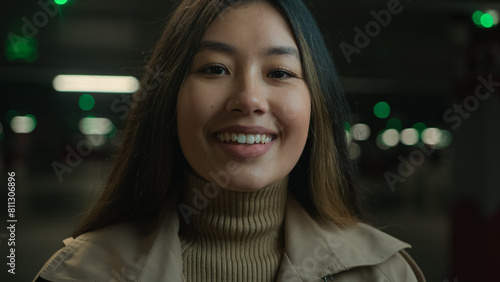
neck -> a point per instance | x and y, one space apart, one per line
228 232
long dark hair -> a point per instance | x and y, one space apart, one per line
148 167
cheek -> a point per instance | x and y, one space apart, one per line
194 108
190 113
294 115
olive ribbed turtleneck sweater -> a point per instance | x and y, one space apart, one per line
232 236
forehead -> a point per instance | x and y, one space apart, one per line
256 24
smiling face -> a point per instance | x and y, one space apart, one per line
243 111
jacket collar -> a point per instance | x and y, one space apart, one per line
314 250
134 252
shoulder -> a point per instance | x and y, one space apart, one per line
358 252
101 255
399 267
368 254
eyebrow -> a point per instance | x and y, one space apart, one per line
282 50
217 46
231 50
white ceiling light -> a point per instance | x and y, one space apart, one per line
95 83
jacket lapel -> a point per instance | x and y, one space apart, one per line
164 262
114 253
314 250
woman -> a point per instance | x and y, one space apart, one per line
235 168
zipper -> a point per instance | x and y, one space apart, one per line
330 277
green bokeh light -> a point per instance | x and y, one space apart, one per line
61 2
394 123
86 102
476 17
21 48
487 20
420 127
382 110
347 126
33 118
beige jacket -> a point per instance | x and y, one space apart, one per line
147 252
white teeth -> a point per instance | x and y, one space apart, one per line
257 138
244 138
250 139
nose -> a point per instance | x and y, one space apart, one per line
248 96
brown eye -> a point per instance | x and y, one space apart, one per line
214 70
281 74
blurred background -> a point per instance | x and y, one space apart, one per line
423 80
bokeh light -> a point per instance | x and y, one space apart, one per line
420 127
360 132
476 17
86 102
382 109
487 20
21 48
390 137
380 143
431 136
494 15
93 126
61 2
394 123
23 124
348 136
354 151
445 139
347 126
409 136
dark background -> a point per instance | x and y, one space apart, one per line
423 62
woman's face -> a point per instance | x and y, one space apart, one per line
244 108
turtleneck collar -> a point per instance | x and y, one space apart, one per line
225 233
208 207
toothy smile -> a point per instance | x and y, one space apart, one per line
244 138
